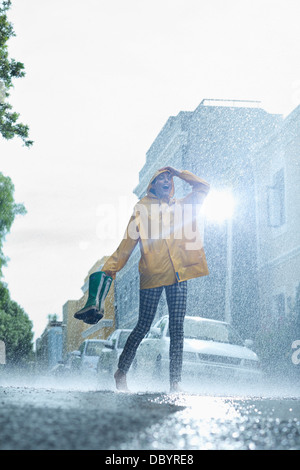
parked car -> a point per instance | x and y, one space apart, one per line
70 367
58 369
2 356
73 362
2 353
211 349
108 359
88 355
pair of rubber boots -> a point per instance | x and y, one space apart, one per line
93 311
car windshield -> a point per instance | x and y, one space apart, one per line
123 338
210 331
94 348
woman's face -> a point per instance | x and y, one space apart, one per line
162 185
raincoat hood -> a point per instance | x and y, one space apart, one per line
150 190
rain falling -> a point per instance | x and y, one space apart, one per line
149 237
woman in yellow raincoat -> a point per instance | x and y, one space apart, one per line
171 253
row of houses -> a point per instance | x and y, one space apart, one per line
254 253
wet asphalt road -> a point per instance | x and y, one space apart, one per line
56 415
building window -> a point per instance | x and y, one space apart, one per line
276 200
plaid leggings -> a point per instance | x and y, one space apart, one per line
176 299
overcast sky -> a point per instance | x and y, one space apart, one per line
102 78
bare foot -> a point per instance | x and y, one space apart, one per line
121 383
175 387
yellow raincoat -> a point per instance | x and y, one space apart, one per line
170 243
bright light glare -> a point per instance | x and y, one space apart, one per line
219 206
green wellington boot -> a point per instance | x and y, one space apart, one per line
92 312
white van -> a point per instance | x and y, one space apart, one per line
88 355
